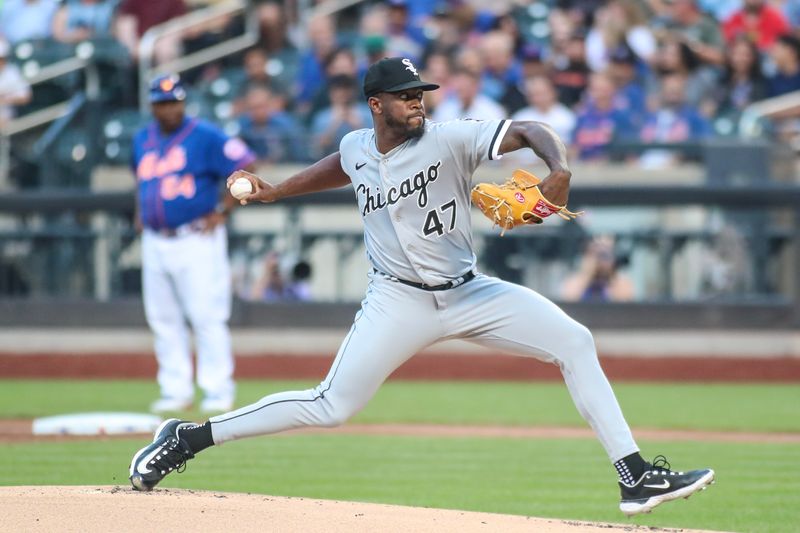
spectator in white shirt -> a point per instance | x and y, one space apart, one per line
465 100
543 106
619 23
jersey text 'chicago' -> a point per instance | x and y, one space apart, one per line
412 217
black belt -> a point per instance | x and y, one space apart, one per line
183 229
443 287
168 232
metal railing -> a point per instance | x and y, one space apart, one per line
784 106
82 63
329 7
36 75
178 26
98 227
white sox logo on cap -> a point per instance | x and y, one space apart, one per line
410 66
393 74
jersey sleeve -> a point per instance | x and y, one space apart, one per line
474 140
349 147
227 154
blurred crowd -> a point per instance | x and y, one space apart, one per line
661 72
655 75
272 277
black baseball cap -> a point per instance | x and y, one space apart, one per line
393 74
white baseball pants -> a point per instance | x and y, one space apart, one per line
187 277
396 321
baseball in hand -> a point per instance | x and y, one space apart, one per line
241 188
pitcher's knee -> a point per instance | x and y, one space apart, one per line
336 412
579 346
332 419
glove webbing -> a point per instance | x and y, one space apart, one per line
563 212
498 203
498 219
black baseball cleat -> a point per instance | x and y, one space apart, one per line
166 453
659 484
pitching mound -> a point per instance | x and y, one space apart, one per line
102 509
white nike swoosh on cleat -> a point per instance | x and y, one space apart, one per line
631 508
141 466
664 485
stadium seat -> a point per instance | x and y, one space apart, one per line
224 86
117 135
106 50
533 23
43 51
198 104
32 56
73 154
220 93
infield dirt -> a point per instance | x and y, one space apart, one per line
112 508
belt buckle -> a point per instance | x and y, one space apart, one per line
461 279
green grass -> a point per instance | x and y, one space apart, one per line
745 407
756 491
552 478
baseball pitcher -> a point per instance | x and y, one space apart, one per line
411 179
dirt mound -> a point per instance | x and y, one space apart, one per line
101 509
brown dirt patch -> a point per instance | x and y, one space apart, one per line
497 367
21 431
101 509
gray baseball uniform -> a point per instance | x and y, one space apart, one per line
412 183
415 204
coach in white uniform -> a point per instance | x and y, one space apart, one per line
180 164
412 182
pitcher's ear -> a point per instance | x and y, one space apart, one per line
375 104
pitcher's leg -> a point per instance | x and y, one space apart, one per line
391 327
512 318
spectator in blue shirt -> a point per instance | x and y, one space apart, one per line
791 10
673 121
340 62
599 122
721 10
346 113
24 20
502 70
79 20
403 31
786 56
270 131
310 71
631 98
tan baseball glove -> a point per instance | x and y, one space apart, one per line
518 201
